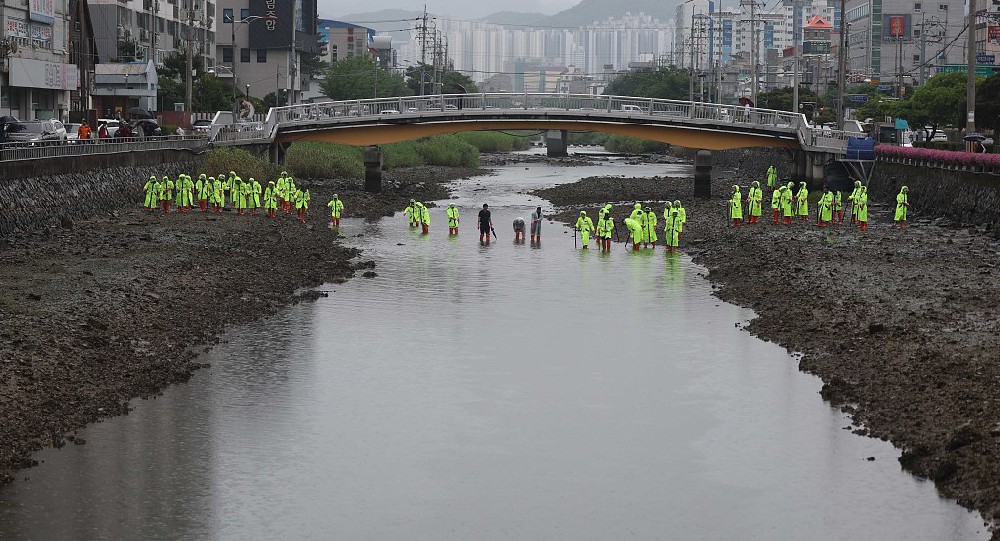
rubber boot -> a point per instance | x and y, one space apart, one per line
532 238
635 247
425 230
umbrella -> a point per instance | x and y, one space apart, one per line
8 120
137 112
744 101
974 137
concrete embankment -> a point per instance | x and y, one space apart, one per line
32 203
965 197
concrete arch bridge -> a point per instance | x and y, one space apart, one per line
697 125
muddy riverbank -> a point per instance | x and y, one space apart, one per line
901 326
117 306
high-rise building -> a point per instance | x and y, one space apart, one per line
261 44
907 40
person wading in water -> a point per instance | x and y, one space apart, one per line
485 223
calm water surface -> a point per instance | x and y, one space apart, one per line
500 392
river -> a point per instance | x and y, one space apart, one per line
488 392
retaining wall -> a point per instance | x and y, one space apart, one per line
972 198
28 204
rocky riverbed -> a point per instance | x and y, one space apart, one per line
900 325
119 305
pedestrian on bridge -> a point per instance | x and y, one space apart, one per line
853 198
519 232
485 223
736 207
152 189
336 207
802 203
902 207
536 225
453 219
754 198
651 223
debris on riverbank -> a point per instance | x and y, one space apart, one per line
118 306
900 325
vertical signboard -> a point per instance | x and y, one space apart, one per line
274 31
895 27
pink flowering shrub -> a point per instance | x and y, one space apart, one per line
987 161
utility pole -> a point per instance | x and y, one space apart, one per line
923 48
970 79
189 65
691 76
796 38
842 65
423 49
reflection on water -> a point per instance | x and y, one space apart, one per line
487 392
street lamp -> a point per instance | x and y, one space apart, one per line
248 91
232 34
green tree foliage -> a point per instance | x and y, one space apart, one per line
208 92
937 103
988 104
669 83
781 99
452 82
353 78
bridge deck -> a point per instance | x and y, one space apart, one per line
379 121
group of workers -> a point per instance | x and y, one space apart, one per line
641 225
785 205
246 197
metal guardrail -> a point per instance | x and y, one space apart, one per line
37 151
498 104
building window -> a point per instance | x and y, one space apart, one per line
916 58
333 52
916 6
227 55
261 55
227 15
943 7
244 55
244 14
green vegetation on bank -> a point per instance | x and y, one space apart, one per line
225 159
491 141
633 145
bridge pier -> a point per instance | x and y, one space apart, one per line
277 151
557 143
373 169
703 174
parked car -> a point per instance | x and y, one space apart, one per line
111 123
202 126
73 133
37 132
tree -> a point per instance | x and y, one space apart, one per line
275 100
670 82
452 82
352 78
208 93
781 99
312 64
129 50
938 102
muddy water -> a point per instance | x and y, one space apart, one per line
488 392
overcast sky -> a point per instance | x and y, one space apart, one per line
465 9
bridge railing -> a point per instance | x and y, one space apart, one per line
24 151
487 104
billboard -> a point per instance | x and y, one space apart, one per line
896 27
42 11
275 30
993 33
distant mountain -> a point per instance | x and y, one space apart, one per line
588 11
517 18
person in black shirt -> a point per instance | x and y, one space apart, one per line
485 223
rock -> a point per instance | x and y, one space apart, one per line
369 274
66 222
34 296
962 436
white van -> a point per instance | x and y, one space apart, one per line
632 109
